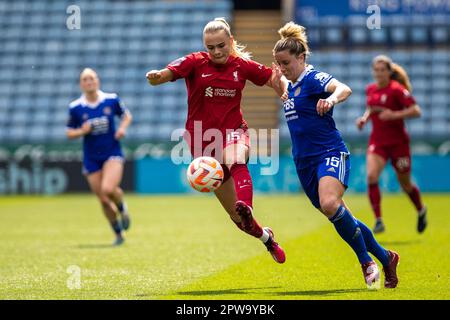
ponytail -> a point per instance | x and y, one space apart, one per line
294 39
398 73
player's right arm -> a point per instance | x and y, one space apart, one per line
157 77
361 121
75 127
179 68
73 133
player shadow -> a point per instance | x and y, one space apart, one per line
244 291
318 292
96 246
237 291
400 242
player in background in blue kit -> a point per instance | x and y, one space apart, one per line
92 117
320 155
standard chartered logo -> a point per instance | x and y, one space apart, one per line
209 92
219 92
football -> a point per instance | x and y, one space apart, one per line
205 174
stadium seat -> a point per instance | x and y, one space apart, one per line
419 35
440 35
416 127
399 34
439 128
37 133
358 35
378 35
17 133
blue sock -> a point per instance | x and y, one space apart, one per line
349 230
116 227
120 207
372 245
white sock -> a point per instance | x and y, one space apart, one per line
265 236
423 211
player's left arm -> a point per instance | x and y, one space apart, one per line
412 111
411 108
262 75
339 93
125 122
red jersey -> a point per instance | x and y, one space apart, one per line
215 90
394 97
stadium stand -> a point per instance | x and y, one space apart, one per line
346 48
429 73
40 61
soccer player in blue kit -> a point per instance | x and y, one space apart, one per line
320 155
92 117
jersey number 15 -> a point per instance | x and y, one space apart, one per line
334 161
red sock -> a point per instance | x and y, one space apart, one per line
414 195
242 183
375 199
255 230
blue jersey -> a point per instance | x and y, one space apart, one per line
100 143
312 135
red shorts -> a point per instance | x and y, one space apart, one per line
238 136
215 150
399 154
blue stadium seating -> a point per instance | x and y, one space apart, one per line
429 72
41 60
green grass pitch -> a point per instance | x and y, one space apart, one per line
185 247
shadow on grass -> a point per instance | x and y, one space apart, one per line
96 246
222 292
245 291
400 242
319 292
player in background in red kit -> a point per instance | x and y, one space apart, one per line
215 80
389 102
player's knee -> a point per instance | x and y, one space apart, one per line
107 191
235 154
329 205
233 159
118 192
372 178
406 186
104 200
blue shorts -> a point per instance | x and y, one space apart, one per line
93 165
334 164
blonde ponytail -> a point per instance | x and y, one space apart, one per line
398 73
294 39
218 24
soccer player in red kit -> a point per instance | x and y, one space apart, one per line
215 80
389 102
